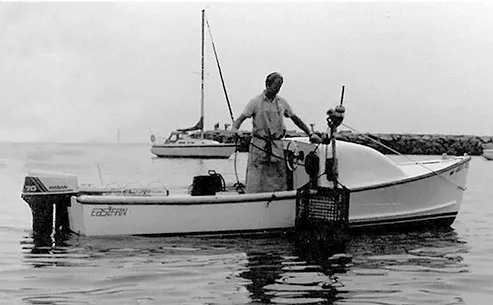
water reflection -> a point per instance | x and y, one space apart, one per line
370 267
399 267
283 277
392 267
41 250
300 272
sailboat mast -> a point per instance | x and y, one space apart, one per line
202 80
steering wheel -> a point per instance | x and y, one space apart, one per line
293 156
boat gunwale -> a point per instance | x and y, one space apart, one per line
185 199
240 198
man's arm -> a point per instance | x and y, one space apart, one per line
301 125
314 138
237 123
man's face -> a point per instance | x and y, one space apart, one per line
274 87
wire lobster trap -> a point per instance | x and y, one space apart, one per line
323 213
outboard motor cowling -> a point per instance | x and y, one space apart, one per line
43 191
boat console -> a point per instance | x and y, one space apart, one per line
357 165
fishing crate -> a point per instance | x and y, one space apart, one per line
323 211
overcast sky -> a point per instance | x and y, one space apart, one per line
80 71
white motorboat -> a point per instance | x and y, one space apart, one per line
358 187
381 193
180 144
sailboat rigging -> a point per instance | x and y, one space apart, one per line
180 143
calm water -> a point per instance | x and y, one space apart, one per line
447 267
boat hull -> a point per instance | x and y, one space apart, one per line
428 198
194 151
433 197
96 215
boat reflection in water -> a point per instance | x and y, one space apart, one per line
274 269
41 250
297 275
370 266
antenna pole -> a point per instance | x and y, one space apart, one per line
333 130
202 79
342 94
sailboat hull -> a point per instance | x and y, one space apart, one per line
193 151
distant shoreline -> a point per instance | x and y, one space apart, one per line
403 143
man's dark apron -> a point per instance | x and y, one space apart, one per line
266 168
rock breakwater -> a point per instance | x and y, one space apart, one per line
409 144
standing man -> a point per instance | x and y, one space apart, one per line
266 168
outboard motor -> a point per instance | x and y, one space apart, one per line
42 192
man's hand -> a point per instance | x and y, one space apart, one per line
236 133
314 138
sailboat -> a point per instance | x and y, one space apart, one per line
180 144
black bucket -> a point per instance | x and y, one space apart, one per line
207 184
